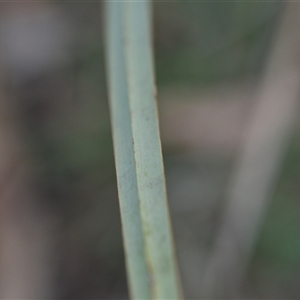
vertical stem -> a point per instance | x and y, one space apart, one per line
138 278
147 151
258 167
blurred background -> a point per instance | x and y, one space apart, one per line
228 77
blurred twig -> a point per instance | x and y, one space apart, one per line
259 163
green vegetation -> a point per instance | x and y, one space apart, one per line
146 227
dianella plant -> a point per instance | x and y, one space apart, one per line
150 258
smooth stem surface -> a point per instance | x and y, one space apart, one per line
147 151
137 272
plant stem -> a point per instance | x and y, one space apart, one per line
258 167
149 250
137 272
147 151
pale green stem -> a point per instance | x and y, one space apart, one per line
147 151
137 272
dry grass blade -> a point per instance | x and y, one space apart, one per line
260 161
